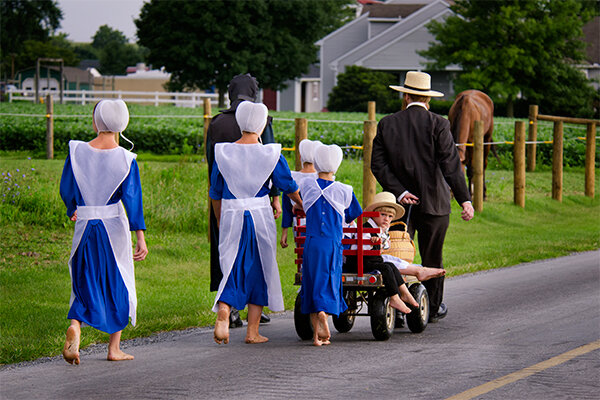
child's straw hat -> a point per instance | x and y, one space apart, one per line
386 199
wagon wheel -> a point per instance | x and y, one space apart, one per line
302 321
383 316
417 319
345 322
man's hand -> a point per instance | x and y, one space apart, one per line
74 216
276 205
468 211
409 198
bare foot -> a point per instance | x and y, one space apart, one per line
426 273
118 355
71 349
221 334
256 339
407 298
323 331
317 341
399 305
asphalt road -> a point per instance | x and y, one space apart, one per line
512 333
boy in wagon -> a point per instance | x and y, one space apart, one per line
240 184
388 265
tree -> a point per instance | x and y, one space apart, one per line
22 20
511 47
114 52
205 43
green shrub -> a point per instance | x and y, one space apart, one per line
358 85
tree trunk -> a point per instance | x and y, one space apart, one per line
510 110
222 91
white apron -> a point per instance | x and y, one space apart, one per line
98 174
338 195
245 168
298 178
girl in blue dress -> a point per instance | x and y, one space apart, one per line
99 183
240 184
306 148
327 205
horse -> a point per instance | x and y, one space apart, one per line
468 107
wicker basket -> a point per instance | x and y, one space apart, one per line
401 245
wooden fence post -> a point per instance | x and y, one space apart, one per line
519 164
590 153
371 110
557 161
370 129
478 166
301 125
207 119
531 148
49 127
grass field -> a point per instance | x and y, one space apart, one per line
172 283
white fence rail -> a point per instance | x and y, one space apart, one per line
92 96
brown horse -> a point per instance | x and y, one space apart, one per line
471 106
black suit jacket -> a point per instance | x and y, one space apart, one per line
414 150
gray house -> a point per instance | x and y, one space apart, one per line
385 36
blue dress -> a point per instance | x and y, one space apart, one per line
246 283
101 298
322 257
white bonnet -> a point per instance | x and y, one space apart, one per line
111 116
328 158
251 117
307 150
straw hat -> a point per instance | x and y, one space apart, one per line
328 158
251 117
418 83
111 116
386 199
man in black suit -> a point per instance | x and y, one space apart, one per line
415 158
224 128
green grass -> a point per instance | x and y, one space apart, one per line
172 283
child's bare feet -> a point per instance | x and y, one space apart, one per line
256 338
398 304
323 332
426 273
71 349
118 355
221 333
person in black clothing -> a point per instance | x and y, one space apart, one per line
415 158
224 128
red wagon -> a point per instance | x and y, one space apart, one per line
362 292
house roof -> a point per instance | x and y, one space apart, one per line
383 10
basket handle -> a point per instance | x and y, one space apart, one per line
399 223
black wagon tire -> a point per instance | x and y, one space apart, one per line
345 321
383 316
302 321
417 319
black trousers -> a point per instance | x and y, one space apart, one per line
431 231
390 275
